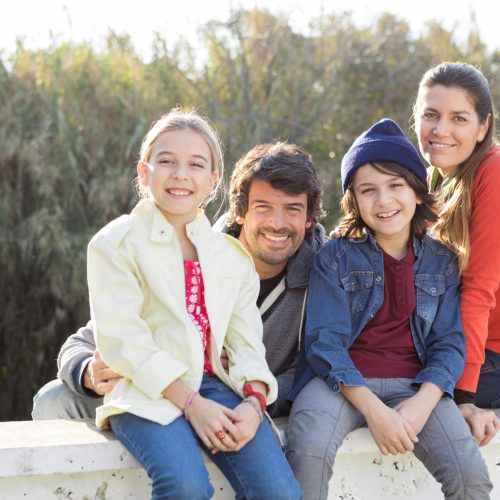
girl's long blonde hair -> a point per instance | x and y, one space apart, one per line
452 227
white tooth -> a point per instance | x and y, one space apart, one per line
276 238
388 214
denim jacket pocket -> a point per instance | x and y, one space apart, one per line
429 288
358 284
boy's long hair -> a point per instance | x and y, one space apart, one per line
452 227
351 225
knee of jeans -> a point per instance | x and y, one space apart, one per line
469 478
46 401
281 490
193 486
476 478
310 433
55 401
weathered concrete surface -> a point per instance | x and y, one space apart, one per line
72 460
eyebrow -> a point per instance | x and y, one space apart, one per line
166 152
267 202
429 108
391 179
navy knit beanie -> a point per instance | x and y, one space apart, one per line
384 141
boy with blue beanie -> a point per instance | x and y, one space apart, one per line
384 344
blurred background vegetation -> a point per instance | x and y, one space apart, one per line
72 118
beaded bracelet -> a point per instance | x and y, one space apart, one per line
255 407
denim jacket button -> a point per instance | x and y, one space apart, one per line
433 290
378 278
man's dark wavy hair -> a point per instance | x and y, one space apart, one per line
284 166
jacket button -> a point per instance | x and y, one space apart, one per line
162 232
378 278
433 290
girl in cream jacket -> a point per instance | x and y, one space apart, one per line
167 294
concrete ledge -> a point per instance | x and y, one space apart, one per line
61 459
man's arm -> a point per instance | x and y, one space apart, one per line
81 367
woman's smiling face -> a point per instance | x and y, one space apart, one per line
447 126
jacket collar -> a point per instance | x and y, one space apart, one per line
161 230
418 243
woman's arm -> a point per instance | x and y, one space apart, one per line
480 283
481 279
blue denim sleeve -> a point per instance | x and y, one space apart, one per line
445 342
328 327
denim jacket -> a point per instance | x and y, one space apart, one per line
346 289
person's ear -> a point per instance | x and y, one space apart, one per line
240 220
142 173
483 129
213 180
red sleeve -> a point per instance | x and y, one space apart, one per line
481 279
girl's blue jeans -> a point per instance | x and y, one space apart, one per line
171 456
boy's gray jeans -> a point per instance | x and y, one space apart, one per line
321 419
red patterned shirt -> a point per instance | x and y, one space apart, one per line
195 304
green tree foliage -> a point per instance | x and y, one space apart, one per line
72 119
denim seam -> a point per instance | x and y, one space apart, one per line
457 461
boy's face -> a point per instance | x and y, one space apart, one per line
386 204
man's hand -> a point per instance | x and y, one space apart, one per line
224 359
483 424
98 376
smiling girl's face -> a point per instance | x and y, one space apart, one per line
447 126
179 174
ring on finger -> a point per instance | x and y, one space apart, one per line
221 435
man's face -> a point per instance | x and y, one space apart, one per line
273 227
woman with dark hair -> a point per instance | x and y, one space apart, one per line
455 125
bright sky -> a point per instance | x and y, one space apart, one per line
40 21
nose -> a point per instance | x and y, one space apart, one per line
277 219
440 128
180 171
384 197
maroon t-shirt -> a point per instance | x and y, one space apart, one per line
385 349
